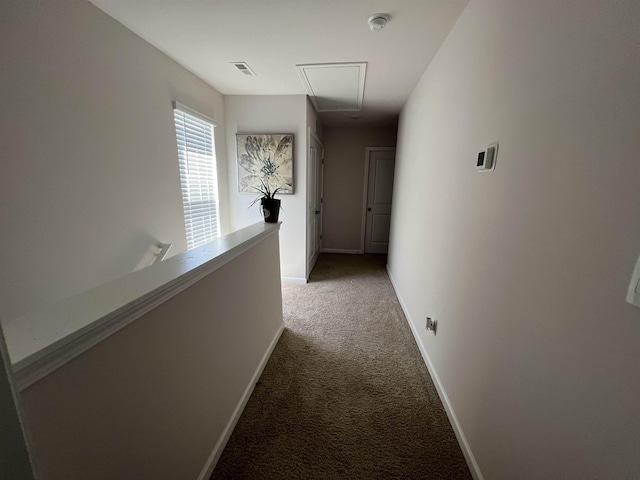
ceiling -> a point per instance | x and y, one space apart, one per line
273 36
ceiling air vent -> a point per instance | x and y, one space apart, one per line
244 68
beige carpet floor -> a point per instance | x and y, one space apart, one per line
346 393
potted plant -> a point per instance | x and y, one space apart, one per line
269 205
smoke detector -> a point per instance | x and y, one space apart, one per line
378 21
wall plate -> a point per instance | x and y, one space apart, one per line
486 160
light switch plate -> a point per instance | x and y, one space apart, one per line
633 293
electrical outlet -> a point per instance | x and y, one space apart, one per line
432 325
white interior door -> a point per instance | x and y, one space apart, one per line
379 195
314 214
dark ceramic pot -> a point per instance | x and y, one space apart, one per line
270 209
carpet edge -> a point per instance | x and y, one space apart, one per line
216 453
472 464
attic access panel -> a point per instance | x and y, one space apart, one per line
334 87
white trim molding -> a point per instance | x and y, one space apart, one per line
341 250
43 341
237 412
453 419
296 280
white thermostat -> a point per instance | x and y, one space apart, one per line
486 161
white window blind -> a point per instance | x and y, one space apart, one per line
198 176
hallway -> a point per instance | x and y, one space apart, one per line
345 393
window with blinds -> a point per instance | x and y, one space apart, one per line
198 176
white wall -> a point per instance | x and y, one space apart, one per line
314 124
344 165
271 114
89 177
526 268
153 400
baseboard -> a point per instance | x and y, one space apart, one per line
298 280
235 416
341 250
453 419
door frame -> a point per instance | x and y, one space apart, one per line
312 135
363 228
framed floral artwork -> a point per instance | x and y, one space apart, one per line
267 158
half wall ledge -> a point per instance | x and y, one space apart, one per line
44 340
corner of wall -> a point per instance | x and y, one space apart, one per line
255 114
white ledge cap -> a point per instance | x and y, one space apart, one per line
46 339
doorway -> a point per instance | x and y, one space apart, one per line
378 194
314 204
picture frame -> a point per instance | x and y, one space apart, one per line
267 158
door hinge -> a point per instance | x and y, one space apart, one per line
321 200
320 236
